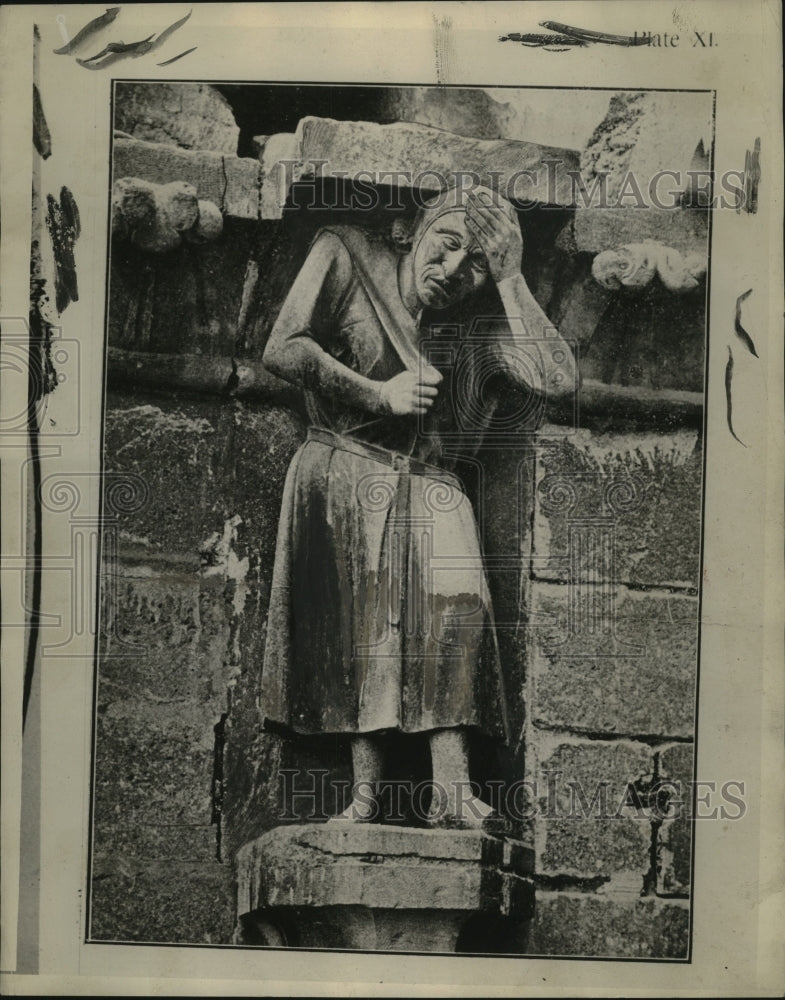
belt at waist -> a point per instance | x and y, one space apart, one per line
376 453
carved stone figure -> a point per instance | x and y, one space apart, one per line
380 617
635 265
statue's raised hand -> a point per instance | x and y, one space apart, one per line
410 392
497 234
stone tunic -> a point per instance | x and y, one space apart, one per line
380 616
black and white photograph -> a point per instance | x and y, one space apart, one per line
392 492
403 465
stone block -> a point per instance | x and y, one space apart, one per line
600 925
589 823
243 180
148 775
466 111
232 183
598 229
163 902
639 494
650 340
135 837
644 132
158 618
184 302
674 837
423 157
580 307
203 463
189 115
635 676
147 372
172 449
381 867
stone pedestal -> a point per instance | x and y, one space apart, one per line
383 888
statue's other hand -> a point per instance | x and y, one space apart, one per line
410 392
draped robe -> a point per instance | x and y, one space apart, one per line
380 616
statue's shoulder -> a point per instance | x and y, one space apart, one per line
358 241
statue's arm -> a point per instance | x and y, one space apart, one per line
501 240
295 350
533 334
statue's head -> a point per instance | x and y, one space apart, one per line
447 261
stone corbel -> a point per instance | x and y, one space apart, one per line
383 888
158 218
635 266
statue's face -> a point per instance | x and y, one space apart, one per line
447 261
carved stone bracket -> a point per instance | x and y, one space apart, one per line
635 265
158 217
380 888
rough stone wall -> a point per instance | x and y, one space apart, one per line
614 582
187 577
611 689
192 580
184 775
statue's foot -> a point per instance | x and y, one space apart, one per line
359 811
467 814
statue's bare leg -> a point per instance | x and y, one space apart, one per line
453 802
367 762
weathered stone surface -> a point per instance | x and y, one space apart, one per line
674 838
585 840
360 928
643 134
380 867
641 493
185 620
470 112
598 229
139 838
424 158
221 461
580 304
146 371
552 117
190 115
158 217
419 150
163 902
153 776
650 339
161 691
243 185
600 925
166 621
186 301
230 182
635 677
